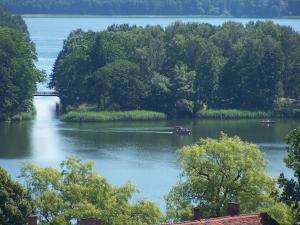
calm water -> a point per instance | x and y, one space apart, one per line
142 152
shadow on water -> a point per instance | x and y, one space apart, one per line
23 140
15 140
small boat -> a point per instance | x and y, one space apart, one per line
267 122
182 130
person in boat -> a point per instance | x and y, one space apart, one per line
182 130
267 121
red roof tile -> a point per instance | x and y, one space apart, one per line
250 219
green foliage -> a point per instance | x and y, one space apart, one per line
18 74
75 191
182 90
121 83
282 213
15 22
14 201
75 116
291 187
182 68
239 8
215 172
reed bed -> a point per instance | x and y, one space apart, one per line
134 115
232 114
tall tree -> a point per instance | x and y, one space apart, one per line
18 74
14 201
182 86
75 191
291 187
215 172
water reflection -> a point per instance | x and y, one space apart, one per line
15 140
44 135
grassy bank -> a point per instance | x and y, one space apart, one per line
76 116
244 114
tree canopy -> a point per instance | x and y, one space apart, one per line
15 22
180 69
18 74
237 8
14 201
218 171
76 191
291 187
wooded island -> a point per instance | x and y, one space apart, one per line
181 70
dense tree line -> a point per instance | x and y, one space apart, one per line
15 22
18 74
180 69
238 8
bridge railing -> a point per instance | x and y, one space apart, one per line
45 93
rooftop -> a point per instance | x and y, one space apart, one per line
249 219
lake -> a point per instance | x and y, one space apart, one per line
142 152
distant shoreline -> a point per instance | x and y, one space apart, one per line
151 16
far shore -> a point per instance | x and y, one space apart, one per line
152 16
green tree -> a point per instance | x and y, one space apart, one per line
72 68
215 172
291 187
14 201
121 81
18 75
75 191
182 86
13 21
180 69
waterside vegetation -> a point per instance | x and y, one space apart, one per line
134 115
147 115
245 114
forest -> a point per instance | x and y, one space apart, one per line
181 69
18 74
236 8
